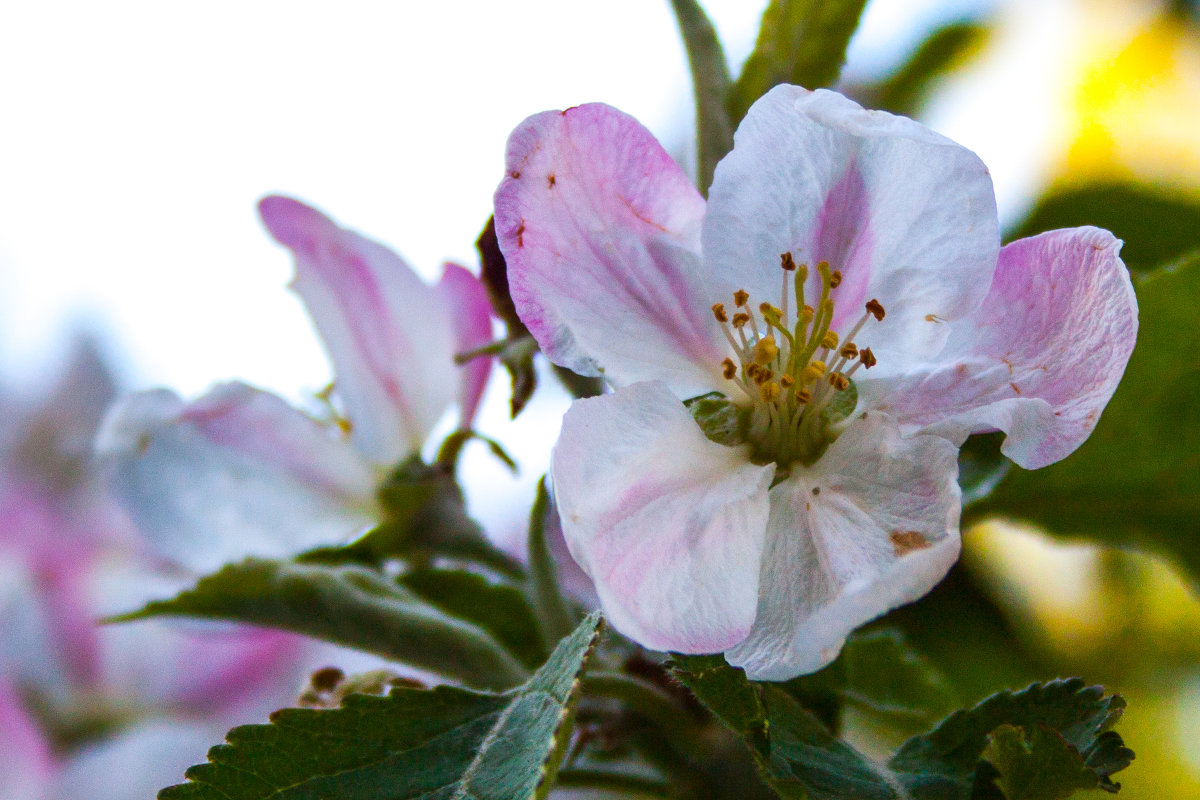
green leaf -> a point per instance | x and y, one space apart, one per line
943 762
905 91
878 671
800 758
1136 480
348 605
424 517
1158 225
725 691
710 84
442 743
1037 764
499 609
801 42
549 605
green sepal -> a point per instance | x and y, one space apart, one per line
722 420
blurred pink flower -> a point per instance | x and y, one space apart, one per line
825 492
241 473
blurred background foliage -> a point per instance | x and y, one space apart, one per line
1090 567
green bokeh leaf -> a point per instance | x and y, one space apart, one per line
349 605
442 743
497 608
710 85
1157 224
905 90
550 606
1136 480
424 517
801 42
879 672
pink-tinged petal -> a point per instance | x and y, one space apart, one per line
467 304
906 215
668 524
27 765
871 526
237 473
390 341
1041 357
601 233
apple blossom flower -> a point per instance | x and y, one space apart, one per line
795 362
239 472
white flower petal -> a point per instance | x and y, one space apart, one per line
907 215
389 337
1039 359
668 524
871 526
237 473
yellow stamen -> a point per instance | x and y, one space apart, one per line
812 372
835 279
839 381
787 381
803 395
875 309
769 392
787 262
849 350
829 340
740 297
740 319
765 350
728 369
867 357
718 310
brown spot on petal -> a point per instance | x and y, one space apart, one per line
515 174
551 180
904 542
521 234
1008 364
816 490
1014 387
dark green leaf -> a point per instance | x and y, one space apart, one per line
710 84
1158 225
801 42
549 605
1036 764
496 608
799 757
1136 480
945 48
347 605
445 743
725 691
943 763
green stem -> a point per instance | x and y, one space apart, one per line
612 781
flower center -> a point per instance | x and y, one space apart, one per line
794 369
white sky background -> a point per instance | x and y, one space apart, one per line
136 137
